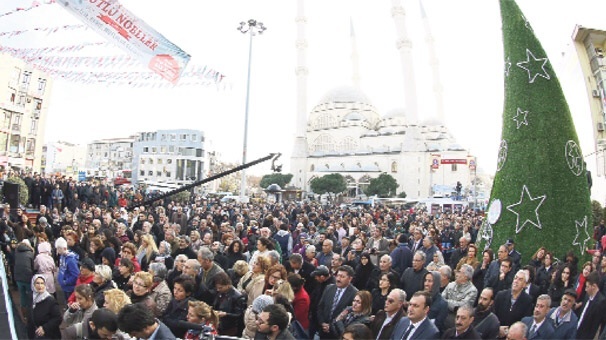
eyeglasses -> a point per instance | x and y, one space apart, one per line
390 300
139 284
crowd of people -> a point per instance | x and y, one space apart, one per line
290 270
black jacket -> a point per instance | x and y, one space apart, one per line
234 304
509 314
175 316
47 314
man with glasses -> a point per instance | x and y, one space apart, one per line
494 269
385 320
272 324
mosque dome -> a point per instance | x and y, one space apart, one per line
355 115
432 122
345 94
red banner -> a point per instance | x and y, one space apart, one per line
454 161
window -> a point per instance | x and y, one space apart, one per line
311 168
394 167
163 149
142 160
159 161
167 174
13 97
171 148
142 173
41 85
453 167
154 149
169 161
158 173
163 137
146 149
16 74
150 173
33 128
194 137
27 75
151 161
183 137
173 137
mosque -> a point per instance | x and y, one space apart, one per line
344 133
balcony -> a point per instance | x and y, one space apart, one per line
16 127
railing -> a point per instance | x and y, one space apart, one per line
7 300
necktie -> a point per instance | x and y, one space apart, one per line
335 300
583 314
533 329
408 331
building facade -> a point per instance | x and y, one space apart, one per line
63 157
24 102
108 157
169 157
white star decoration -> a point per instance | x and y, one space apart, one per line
574 158
521 118
521 206
526 23
581 227
507 67
528 65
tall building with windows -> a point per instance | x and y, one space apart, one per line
108 157
24 101
169 157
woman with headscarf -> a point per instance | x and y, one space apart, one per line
164 255
437 261
46 313
102 281
45 264
363 270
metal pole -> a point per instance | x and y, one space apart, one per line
243 183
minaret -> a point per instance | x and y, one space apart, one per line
355 60
435 66
298 160
404 45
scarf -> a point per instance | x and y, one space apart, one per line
39 297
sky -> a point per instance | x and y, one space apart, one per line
468 43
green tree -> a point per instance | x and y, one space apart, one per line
277 178
23 190
402 194
182 197
332 183
597 211
540 180
383 186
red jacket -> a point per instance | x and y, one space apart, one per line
301 307
80 281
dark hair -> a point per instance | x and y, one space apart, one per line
558 282
358 331
105 318
393 280
345 268
135 318
230 249
128 264
424 294
490 254
222 279
296 281
593 278
531 272
266 242
277 316
186 282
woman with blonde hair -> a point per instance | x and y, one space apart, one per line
115 299
141 292
470 259
253 282
147 252
203 320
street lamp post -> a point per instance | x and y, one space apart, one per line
252 27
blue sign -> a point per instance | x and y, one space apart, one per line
81 176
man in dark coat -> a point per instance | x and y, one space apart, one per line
417 315
401 257
295 264
539 327
411 280
335 299
504 310
139 322
322 279
463 328
591 313
386 319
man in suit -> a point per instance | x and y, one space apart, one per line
417 240
539 326
592 314
295 264
139 322
413 277
531 288
463 328
416 325
515 255
565 321
507 312
401 257
385 320
335 299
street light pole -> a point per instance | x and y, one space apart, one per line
252 27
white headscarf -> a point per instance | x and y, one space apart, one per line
39 297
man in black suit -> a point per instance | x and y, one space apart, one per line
416 325
539 326
592 312
335 299
515 255
532 289
507 312
295 264
385 320
139 322
463 328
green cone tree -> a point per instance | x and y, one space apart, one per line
540 195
